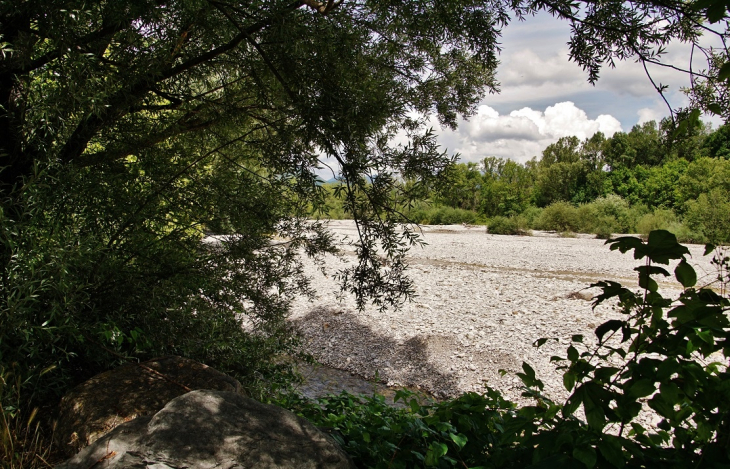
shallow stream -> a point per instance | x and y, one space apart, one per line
322 380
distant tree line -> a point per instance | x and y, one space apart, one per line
656 176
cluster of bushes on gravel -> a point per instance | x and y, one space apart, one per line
507 226
442 215
706 220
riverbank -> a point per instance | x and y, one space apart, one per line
481 302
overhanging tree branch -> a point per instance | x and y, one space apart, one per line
122 101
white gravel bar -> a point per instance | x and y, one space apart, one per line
481 302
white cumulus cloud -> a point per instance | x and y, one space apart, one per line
522 133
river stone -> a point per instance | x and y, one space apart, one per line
100 404
207 429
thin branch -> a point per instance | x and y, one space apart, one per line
172 179
134 147
660 90
56 53
121 102
261 52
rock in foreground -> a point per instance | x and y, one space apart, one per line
206 429
109 399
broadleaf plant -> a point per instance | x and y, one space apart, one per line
670 359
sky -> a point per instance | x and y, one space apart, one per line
544 96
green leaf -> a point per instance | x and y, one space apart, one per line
709 248
648 283
573 402
715 109
715 13
610 448
641 388
663 247
529 371
606 327
626 243
366 437
528 377
670 391
664 408
572 354
652 270
705 336
593 398
595 416
569 379
459 439
586 455
604 373
414 405
434 453
685 274
539 342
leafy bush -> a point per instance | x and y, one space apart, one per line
590 219
531 216
453 433
442 215
604 227
667 349
614 207
559 216
710 215
607 215
505 226
113 270
658 220
685 234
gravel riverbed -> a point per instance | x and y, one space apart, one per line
481 302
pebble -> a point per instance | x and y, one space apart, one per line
472 295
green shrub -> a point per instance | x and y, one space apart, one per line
604 227
559 216
658 220
453 433
531 216
592 219
505 226
710 215
685 234
614 207
585 217
442 215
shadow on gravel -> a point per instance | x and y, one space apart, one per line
336 338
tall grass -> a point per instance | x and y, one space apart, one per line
24 443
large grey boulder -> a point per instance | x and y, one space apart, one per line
109 399
214 429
